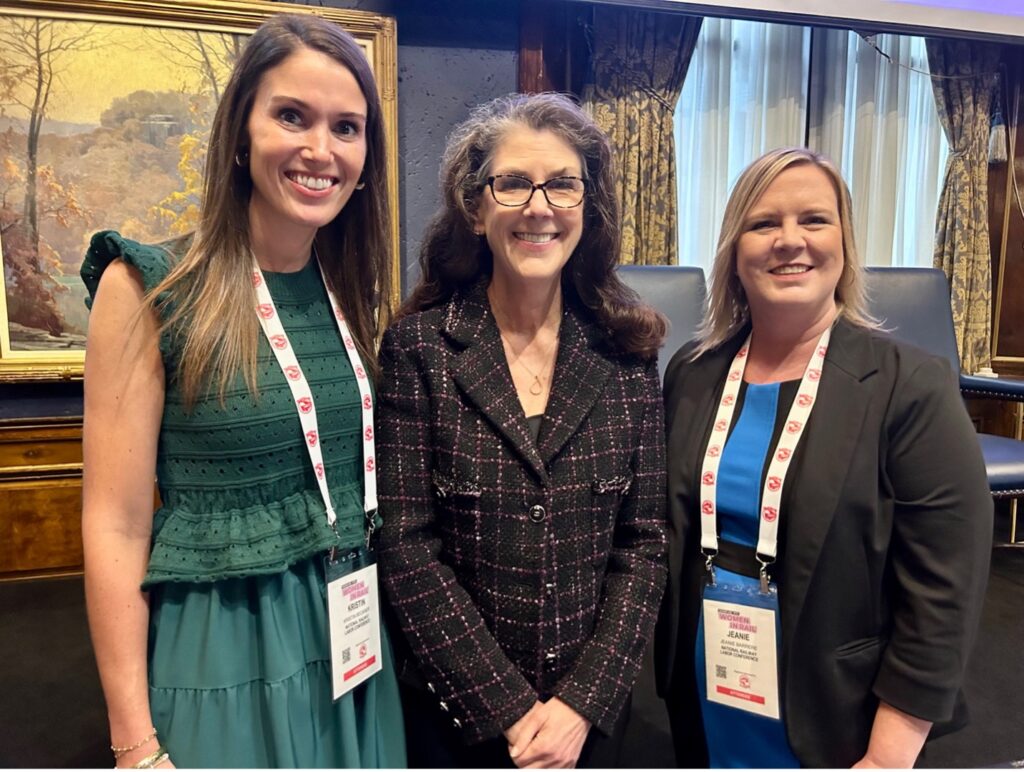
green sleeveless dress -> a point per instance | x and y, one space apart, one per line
239 652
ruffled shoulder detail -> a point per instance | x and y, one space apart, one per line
152 260
267 538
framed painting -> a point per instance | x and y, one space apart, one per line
105 109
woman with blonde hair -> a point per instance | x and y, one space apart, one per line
233 365
829 549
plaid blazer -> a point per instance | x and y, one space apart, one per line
519 570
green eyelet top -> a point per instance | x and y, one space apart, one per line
239 495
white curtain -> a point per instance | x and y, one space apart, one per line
753 86
745 93
876 118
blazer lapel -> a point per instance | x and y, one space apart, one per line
578 382
831 439
481 371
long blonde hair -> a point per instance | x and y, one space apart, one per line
207 297
727 303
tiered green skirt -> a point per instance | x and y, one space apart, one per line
240 676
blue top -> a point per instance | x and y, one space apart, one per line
736 738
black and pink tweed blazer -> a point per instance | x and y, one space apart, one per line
519 570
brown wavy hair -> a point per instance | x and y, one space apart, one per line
453 257
209 294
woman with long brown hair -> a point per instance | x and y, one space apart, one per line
233 365
522 458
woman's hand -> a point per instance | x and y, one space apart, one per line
527 724
896 739
549 736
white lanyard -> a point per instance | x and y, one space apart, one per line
302 395
771 496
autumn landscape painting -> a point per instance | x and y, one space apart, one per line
102 125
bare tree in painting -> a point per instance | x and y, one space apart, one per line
39 47
12 179
10 75
33 54
211 54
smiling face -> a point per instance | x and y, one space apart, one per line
532 242
307 145
789 256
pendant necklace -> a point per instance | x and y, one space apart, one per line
537 387
536 380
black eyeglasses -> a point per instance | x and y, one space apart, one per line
560 192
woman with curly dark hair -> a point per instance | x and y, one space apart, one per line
522 453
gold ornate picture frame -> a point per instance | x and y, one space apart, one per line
104 109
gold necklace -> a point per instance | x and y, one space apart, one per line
537 387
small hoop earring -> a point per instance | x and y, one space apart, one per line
241 158
360 185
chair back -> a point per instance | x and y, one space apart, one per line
913 305
675 290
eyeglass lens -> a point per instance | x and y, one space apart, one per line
512 190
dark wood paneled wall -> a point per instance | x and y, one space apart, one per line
542 48
553 50
1006 222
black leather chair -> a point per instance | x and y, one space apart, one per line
913 304
675 290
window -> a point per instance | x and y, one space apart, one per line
754 86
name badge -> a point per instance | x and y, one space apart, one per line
353 608
741 648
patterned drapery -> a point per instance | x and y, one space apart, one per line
963 79
639 63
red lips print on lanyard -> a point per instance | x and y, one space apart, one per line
273 329
796 421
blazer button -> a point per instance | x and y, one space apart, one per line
537 513
444 706
456 723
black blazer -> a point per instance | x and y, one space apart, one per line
887 532
520 570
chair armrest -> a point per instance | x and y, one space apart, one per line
1004 464
1009 389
